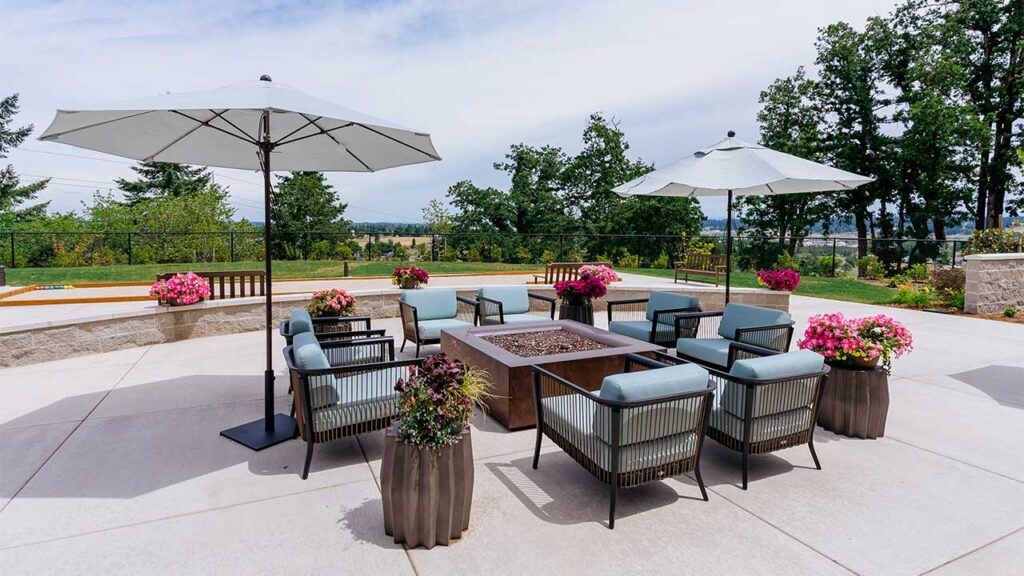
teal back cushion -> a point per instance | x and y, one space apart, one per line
300 322
743 316
307 353
514 299
668 301
779 365
642 424
433 304
773 398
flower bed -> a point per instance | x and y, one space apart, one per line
180 290
785 279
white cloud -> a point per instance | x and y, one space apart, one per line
477 75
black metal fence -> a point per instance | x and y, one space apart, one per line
820 255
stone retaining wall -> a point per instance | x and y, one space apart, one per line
55 340
995 282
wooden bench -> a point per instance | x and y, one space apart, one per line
223 283
710 265
559 271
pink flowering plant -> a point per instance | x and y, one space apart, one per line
785 279
864 341
333 302
582 291
180 289
603 273
409 276
435 402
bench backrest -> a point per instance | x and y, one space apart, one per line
706 262
229 283
559 271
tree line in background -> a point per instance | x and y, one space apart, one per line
928 101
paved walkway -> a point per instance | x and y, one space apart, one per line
112 464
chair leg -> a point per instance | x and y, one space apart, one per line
611 509
746 456
309 459
814 454
700 482
417 349
536 450
402 349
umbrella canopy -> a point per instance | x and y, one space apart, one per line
734 167
249 126
222 128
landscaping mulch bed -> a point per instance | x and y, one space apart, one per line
544 342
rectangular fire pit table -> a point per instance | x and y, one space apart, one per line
511 402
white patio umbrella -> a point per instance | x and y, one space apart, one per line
249 126
733 167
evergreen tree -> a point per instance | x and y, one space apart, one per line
304 210
159 179
12 193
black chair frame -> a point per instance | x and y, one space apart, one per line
546 380
488 308
411 322
636 308
335 328
705 325
746 446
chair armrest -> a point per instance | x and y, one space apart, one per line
627 301
765 336
636 359
350 335
675 311
489 312
336 350
631 307
472 303
549 299
741 351
688 324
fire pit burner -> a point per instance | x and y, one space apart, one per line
544 342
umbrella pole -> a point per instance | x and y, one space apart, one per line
728 243
273 428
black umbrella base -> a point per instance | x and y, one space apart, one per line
255 435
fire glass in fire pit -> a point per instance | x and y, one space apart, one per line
543 343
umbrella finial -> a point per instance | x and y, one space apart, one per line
730 134
265 78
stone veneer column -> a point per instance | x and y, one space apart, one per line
994 282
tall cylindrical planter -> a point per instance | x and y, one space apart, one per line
855 402
427 492
579 312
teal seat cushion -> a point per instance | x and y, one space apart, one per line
307 352
743 316
773 398
668 301
763 428
709 350
433 304
514 299
643 423
641 330
431 329
520 318
300 322
572 417
358 398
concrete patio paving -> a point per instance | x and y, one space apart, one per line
112 464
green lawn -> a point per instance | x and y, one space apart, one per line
832 288
282 269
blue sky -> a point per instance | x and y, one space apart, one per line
477 75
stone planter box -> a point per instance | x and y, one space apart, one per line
855 402
427 493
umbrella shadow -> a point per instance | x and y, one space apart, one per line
1004 384
150 436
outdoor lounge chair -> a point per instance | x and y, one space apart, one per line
426 312
327 327
704 337
335 400
509 305
651 319
766 401
642 426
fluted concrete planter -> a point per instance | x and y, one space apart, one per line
427 493
855 402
